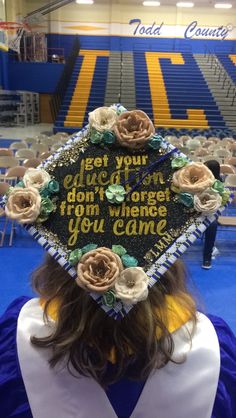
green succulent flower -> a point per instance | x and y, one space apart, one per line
96 137
225 196
120 110
119 250
179 162
20 184
115 193
109 298
186 199
53 186
88 247
109 137
218 186
75 256
155 141
47 207
44 192
129 261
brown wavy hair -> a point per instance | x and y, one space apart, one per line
84 335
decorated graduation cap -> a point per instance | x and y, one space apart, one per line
116 206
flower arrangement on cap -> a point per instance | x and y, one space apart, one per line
33 198
129 129
110 272
197 187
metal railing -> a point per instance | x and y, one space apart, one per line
223 75
62 85
55 55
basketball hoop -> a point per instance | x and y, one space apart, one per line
14 26
20 28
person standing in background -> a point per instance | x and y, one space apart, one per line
211 231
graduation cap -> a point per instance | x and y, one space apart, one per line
116 206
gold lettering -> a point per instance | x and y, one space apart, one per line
73 228
161 196
118 224
160 246
92 210
167 238
153 211
167 192
69 209
131 228
98 226
71 195
114 211
162 211
88 164
146 228
119 160
67 182
62 208
158 178
85 225
160 226
79 210
134 211
97 162
103 175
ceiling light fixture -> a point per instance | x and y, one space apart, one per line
184 4
151 3
84 1
223 6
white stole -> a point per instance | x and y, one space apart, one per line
184 390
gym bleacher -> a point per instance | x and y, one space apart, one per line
229 63
169 86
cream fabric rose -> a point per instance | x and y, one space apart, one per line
132 285
193 178
103 119
98 270
35 177
23 205
207 202
133 129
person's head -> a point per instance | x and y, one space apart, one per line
86 336
214 166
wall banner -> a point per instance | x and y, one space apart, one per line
135 28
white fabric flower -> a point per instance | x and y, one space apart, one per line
132 285
23 205
98 269
103 119
35 177
207 202
193 178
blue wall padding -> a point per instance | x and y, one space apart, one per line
119 43
4 77
60 44
37 77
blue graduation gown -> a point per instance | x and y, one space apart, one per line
124 394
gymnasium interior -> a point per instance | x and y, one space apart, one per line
176 61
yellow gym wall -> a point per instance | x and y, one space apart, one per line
2 10
119 13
